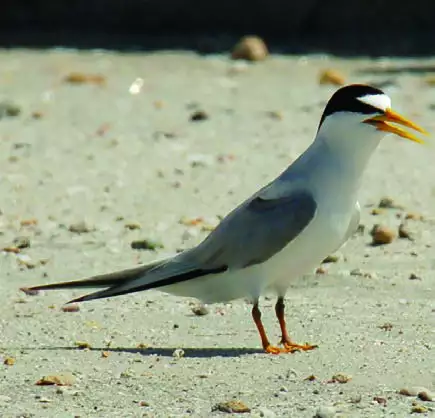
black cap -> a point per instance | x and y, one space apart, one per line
345 99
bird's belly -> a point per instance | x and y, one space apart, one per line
222 287
323 236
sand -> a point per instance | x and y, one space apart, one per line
121 155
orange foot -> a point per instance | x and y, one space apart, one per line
290 347
271 349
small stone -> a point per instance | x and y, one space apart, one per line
382 235
388 203
73 307
37 114
380 400
231 407
325 412
331 76
250 48
331 259
144 403
9 109
418 409
404 233
82 345
133 226
64 379
414 216
321 270
126 374
386 327
178 353
356 398
426 396
311 378
274 114
340 378
82 78
146 244
9 361
80 228
376 212
44 400
200 310
29 222
199 115
21 242
414 277
105 354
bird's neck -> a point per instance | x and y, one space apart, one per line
338 164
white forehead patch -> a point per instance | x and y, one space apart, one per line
380 101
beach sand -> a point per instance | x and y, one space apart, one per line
119 158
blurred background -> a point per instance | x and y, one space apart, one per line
338 26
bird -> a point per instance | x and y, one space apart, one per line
284 230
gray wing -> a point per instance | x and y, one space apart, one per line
251 234
256 231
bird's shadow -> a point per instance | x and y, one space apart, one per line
189 352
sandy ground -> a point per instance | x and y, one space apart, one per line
102 155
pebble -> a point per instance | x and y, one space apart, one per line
80 228
382 235
74 307
250 48
82 78
427 396
325 412
414 277
146 244
9 361
200 310
199 115
132 226
340 378
331 259
418 409
331 76
414 216
9 109
404 233
64 379
388 203
232 407
21 242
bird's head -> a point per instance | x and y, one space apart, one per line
360 113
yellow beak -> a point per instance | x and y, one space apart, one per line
383 123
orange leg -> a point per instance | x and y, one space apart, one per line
289 345
256 315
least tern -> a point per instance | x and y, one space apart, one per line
285 229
